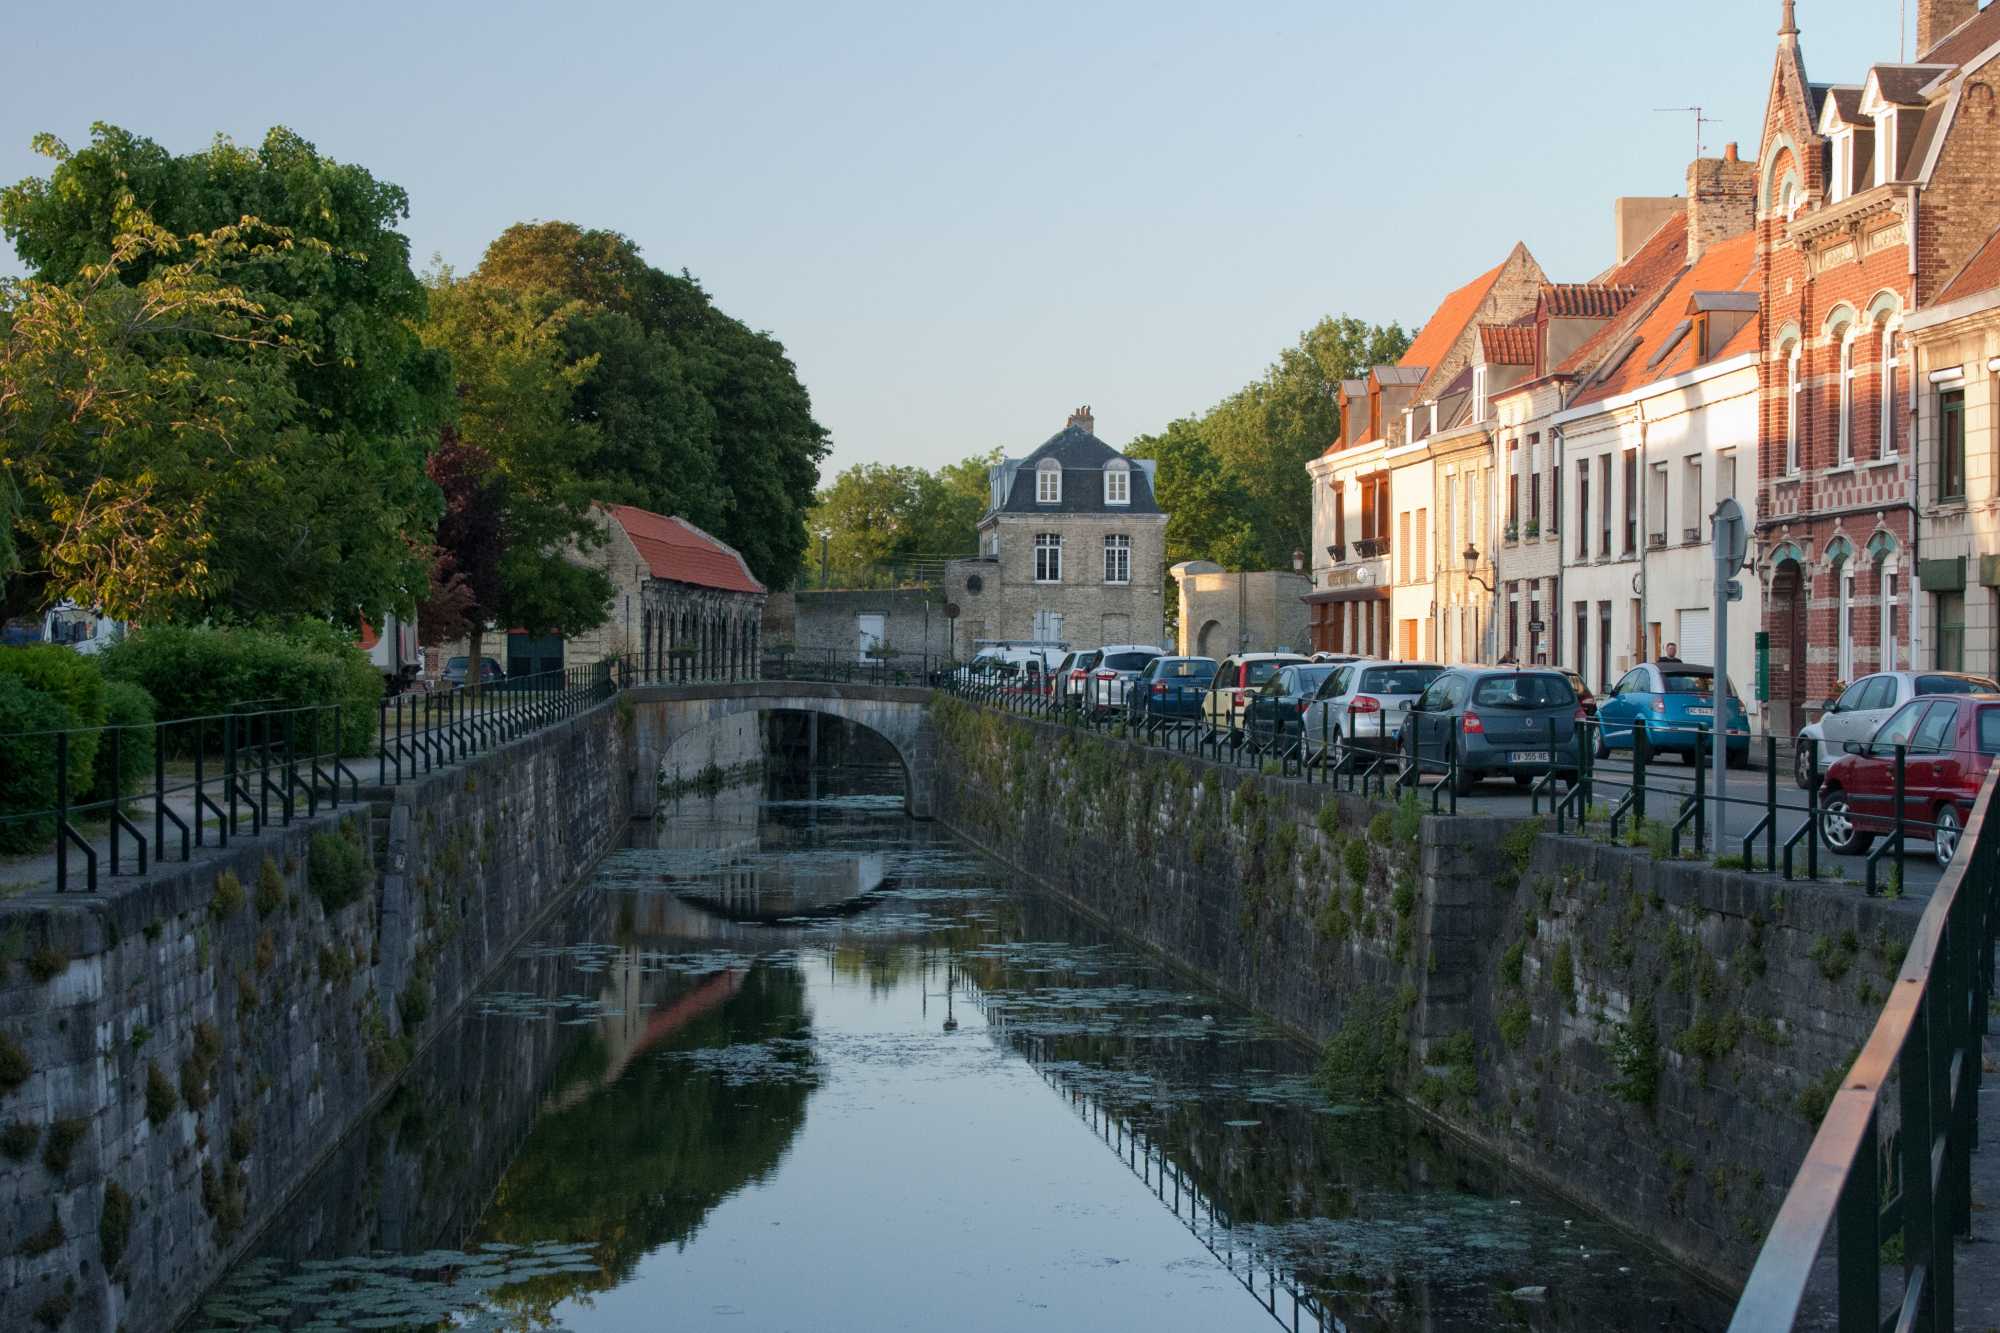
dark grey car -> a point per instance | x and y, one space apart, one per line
1500 722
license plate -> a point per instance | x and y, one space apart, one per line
1528 757
1701 712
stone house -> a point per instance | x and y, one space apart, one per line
1871 197
1072 549
1223 613
859 625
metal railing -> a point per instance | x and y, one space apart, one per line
1928 1047
418 732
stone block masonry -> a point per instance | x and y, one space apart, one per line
1652 1039
178 1053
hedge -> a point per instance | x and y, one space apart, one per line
68 676
130 709
203 672
27 764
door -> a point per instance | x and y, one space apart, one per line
1872 797
1697 636
1861 710
1048 627
1410 641
1933 768
1617 714
871 631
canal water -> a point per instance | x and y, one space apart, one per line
795 1061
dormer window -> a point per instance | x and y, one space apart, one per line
1840 180
1118 482
1885 147
1409 424
1048 482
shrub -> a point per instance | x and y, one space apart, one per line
1366 1057
338 870
161 1099
75 681
201 672
1635 1055
114 1227
64 1135
14 1064
19 1139
27 762
130 709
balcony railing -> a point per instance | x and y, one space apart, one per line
1371 548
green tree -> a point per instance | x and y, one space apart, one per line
334 518
734 399
877 515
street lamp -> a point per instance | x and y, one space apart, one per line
1298 561
1472 564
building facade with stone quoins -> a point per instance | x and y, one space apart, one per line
1072 549
1872 194
686 602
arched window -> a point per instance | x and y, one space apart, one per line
1048 482
1840 559
1885 430
1118 482
1844 393
1793 382
1885 580
1792 198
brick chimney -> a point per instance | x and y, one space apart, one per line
1083 421
1936 19
1721 200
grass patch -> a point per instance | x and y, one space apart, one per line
64 1135
1635 1056
337 868
228 897
114 1224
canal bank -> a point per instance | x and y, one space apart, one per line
1654 1039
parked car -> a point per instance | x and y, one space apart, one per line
1508 721
1336 659
1866 704
1583 694
1235 681
1007 662
1362 706
1951 742
1170 687
1108 680
1277 709
456 669
1674 704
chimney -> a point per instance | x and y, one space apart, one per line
1721 200
1937 18
1083 421
1634 220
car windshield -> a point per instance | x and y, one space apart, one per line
1956 685
1989 731
1084 662
1399 679
1525 691
1188 668
458 664
1127 661
1256 673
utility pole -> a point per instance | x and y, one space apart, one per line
1731 545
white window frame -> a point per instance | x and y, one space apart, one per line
1117 558
1118 483
1479 392
1886 577
1793 385
1048 557
1048 482
1841 181
1843 577
1886 446
1846 393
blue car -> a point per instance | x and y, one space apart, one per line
1673 703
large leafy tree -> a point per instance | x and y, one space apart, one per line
876 516
336 515
727 438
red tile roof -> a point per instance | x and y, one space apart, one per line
676 549
1651 269
1726 266
1508 344
1980 272
1585 300
1441 330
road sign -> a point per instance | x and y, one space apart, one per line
1538 627
1732 536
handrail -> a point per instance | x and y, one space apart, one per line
1930 1035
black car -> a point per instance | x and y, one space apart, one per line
1273 716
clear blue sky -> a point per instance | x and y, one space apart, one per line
965 220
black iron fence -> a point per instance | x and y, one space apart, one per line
421 731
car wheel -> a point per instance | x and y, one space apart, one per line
1524 780
1336 754
1944 834
1603 750
1465 781
1836 825
1802 762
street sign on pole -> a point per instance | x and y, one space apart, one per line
1732 548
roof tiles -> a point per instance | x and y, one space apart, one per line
1434 340
1728 266
1981 272
1965 41
676 549
1585 300
1508 344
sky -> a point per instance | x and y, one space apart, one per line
964 221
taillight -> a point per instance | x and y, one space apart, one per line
1304 704
1472 725
1076 675
1159 687
1107 675
1242 696
1365 703
1581 715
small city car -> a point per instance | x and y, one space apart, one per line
1517 722
1362 706
1109 679
1673 703
1866 704
1950 740
1277 710
1235 681
1170 687
458 668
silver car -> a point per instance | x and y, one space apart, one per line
1362 706
1867 704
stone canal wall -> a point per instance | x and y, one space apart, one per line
1654 1039
177 1053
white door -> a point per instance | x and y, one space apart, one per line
1048 627
872 630
1697 637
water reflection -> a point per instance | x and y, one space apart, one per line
797 1062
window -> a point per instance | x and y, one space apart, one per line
1423 546
1513 489
1555 497
1951 445
1048 482
1479 393
1691 499
1118 558
1886 430
1844 394
1899 728
1887 580
1513 622
1048 557
1840 183
1340 516
1792 387
1583 512
1950 633
1631 501
1725 475
1403 544
1524 689
1118 483
1446 512
1656 506
1604 507
1534 487
1843 578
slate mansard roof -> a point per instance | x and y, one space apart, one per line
1082 457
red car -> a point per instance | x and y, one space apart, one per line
1951 742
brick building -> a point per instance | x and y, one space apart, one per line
1871 196
1073 549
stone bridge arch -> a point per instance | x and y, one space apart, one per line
901 715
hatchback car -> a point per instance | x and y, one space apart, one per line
1950 743
1170 687
1362 706
1278 708
1505 722
1866 704
1673 703
1235 681
1109 679
458 668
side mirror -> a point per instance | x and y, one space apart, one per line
1854 747
1830 706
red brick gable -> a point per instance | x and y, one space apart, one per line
1980 273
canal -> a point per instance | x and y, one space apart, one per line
794 1061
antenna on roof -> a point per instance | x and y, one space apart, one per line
1699 121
